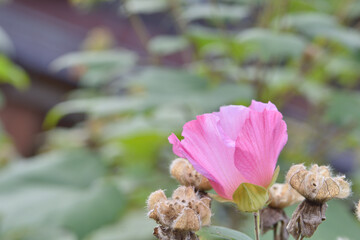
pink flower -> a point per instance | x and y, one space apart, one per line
236 145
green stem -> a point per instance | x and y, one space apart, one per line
257 225
142 33
175 7
275 231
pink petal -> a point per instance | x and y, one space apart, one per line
259 144
219 189
204 146
232 119
259 106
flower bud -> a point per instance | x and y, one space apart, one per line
185 174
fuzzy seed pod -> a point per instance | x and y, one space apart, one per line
186 175
317 184
183 214
358 210
283 195
154 198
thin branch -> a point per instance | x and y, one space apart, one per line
257 225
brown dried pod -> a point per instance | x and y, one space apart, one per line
306 218
164 233
181 215
317 184
185 174
282 195
271 219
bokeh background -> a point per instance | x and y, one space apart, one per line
91 89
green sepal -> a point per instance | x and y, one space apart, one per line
250 197
275 176
219 198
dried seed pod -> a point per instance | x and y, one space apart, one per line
345 187
164 233
322 170
154 198
188 221
180 216
283 195
271 218
202 208
185 174
184 194
306 218
316 184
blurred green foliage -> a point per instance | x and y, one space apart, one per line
13 75
91 181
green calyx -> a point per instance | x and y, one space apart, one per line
250 197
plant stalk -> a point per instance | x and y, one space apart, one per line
257 225
142 33
275 232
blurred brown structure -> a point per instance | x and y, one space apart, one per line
42 30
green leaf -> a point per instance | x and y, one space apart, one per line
76 168
215 11
102 204
13 74
222 95
278 79
303 22
267 45
221 233
169 81
127 228
353 10
202 36
324 27
145 6
58 190
162 121
99 106
250 198
121 59
345 36
38 233
345 69
340 108
77 210
315 92
166 45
